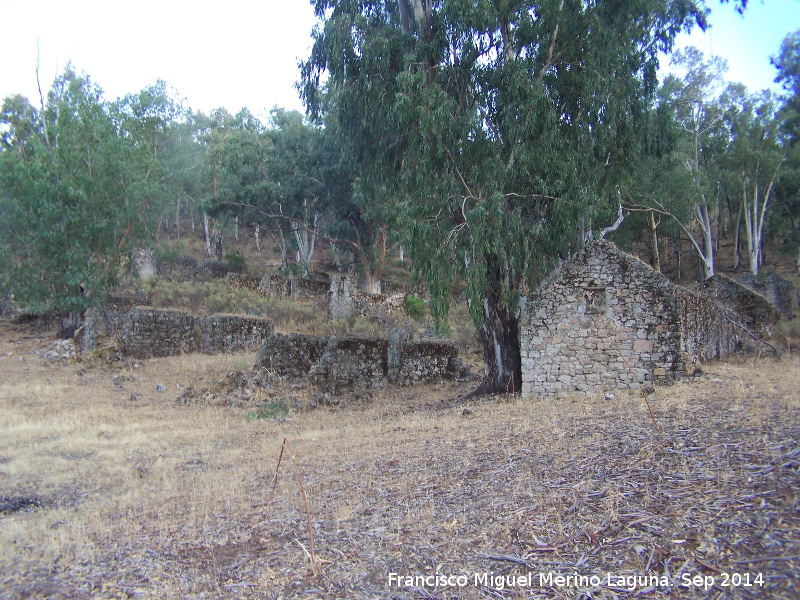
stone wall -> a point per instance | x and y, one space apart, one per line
145 332
354 361
233 333
708 330
780 294
605 320
754 310
298 288
350 361
150 332
422 361
290 355
184 268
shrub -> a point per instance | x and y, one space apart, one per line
277 409
415 307
236 262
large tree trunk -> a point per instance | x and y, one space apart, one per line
501 350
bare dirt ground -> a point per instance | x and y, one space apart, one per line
111 489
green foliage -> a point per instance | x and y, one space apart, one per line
236 262
277 409
415 307
491 128
80 184
169 252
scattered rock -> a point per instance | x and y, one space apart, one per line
133 397
161 388
15 504
610 396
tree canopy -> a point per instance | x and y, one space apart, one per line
495 128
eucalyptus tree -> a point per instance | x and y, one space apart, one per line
699 114
787 63
67 216
755 157
492 128
160 161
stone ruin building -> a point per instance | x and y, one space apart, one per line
605 320
355 361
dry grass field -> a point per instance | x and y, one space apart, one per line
110 489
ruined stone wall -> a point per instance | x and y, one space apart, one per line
233 333
290 355
184 268
353 361
754 310
298 288
590 316
708 330
606 321
146 332
350 361
779 293
149 332
422 361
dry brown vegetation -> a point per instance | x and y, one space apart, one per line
105 494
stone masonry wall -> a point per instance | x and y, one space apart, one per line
150 332
146 332
290 355
353 361
591 315
350 361
708 330
605 308
754 310
422 361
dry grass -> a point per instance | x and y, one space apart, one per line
148 498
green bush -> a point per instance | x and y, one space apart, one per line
169 252
415 307
276 409
236 262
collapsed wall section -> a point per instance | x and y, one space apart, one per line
709 331
354 361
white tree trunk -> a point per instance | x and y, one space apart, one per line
754 213
207 234
258 238
236 228
706 254
305 246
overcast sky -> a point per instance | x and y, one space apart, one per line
244 52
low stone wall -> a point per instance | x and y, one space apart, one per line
150 332
146 332
350 361
183 268
298 288
353 361
751 308
290 355
233 333
422 361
